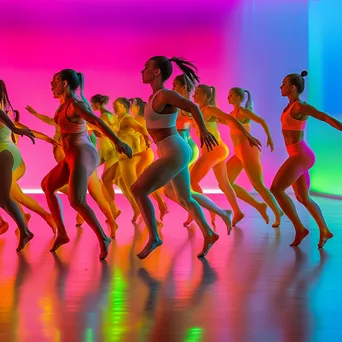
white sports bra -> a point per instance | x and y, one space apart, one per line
156 120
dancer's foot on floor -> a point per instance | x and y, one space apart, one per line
104 245
24 240
237 218
262 209
51 222
59 241
276 223
324 238
227 218
163 211
188 220
300 235
150 247
208 243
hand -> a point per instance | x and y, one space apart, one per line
23 132
254 142
270 144
30 109
208 139
122 147
147 141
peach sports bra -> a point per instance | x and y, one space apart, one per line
288 123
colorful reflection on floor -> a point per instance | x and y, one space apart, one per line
252 286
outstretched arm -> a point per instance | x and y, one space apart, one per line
41 117
38 135
312 111
8 122
252 116
131 122
83 111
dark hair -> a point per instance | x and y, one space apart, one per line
100 99
75 80
210 93
298 80
186 82
165 65
4 100
124 101
140 103
241 92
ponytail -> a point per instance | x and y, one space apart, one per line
249 103
81 82
212 99
188 68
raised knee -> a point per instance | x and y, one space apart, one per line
45 184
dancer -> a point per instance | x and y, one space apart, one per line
9 160
205 97
160 115
107 152
248 158
295 170
146 156
94 183
81 157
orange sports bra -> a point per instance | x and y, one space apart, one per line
288 123
184 122
246 123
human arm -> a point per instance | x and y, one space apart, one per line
38 135
312 111
41 117
82 110
8 122
252 116
172 98
232 122
131 122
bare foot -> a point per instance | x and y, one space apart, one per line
79 220
117 214
59 241
208 243
51 222
237 218
163 211
150 247
276 224
324 238
299 237
263 212
188 220
227 218
104 248
4 227
23 241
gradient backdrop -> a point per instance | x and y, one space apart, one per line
247 43
325 56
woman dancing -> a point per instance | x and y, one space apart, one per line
248 158
107 152
94 184
161 115
10 160
295 170
81 158
205 97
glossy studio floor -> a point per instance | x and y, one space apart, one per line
251 287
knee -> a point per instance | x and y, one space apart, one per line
275 190
46 185
136 190
302 199
77 202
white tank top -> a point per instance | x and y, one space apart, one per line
156 120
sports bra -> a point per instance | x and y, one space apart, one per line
246 124
5 135
288 123
156 120
184 122
211 126
63 121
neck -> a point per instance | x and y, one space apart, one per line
103 110
121 114
67 95
156 85
202 105
237 105
293 97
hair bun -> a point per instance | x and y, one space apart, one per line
304 73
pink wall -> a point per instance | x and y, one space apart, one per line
245 43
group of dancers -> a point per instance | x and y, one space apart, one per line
121 142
